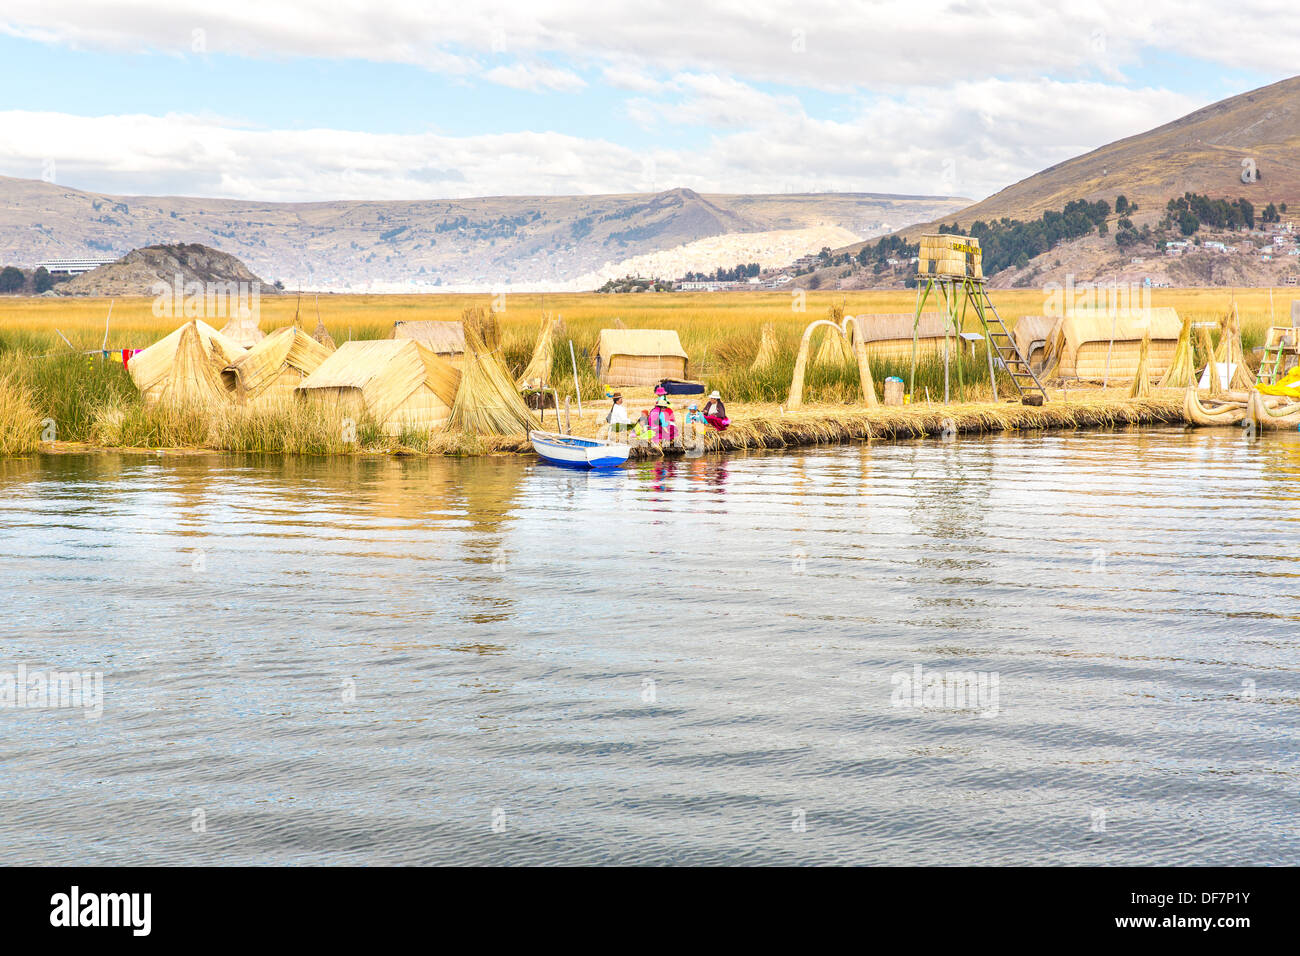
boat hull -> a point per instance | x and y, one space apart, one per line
677 386
569 452
1217 413
1283 415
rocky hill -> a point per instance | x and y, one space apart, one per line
137 272
555 242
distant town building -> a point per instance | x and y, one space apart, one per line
74 267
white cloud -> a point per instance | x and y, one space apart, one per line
967 140
823 43
535 77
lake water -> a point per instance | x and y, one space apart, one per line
485 661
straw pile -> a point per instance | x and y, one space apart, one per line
275 366
834 349
1216 380
1182 368
1230 350
164 367
1141 378
322 335
487 402
767 348
538 369
193 378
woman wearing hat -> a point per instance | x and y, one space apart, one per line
715 413
617 417
663 422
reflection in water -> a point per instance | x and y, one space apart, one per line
352 660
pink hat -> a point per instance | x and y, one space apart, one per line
660 390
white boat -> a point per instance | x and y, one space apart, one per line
574 452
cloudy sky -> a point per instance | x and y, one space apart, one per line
311 100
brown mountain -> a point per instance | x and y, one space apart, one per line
426 243
1200 153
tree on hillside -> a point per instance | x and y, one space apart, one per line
1121 204
43 281
12 280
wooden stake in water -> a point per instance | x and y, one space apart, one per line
568 427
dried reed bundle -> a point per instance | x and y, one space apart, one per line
485 325
1182 370
193 378
1141 384
487 402
1230 344
834 349
767 348
538 369
1216 380
322 335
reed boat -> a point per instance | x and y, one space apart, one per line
574 452
1215 413
1274 413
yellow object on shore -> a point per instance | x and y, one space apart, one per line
1288 386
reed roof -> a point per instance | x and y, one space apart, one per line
887 326
641 342
286 348
386 372
244 330
151 367
441 338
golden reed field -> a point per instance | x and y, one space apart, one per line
703 320
95 402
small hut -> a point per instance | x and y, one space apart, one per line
630 357
243 329
1032 334
444 339
888 336
184 366
1083 343
398 382
275 366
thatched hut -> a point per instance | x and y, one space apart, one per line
888 335
398 382
444 339
243 329
630 357
275 366
1032 334
185 366
1082 342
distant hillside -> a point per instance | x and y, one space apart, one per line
540 241
138 271
1200 153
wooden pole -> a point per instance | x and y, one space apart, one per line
922 296
576 387
104 347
